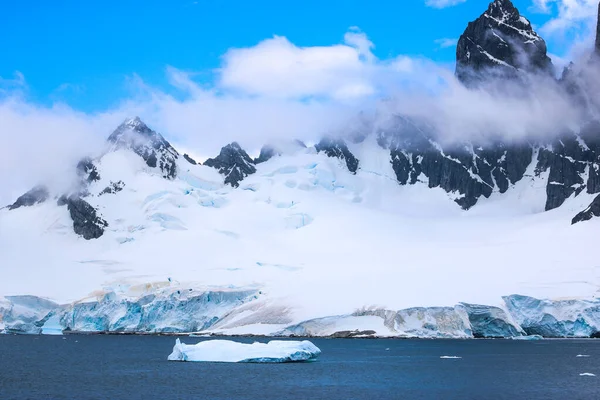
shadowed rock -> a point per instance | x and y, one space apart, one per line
38 194
114 187
156 151
86 221
592 211
234 163
500 42
338 148
189 159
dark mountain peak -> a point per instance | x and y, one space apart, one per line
503 10
266 153
278 148
501 42
135 135
597 44
38 194
338 148
233 162
135 130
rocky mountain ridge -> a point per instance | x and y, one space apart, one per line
500 43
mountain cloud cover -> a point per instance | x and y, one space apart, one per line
276 89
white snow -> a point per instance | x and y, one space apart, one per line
329 244
275 351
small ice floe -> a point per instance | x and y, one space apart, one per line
529 337
587 374
275 351
450 357
582 355
387 349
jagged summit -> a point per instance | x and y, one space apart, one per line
500 42
234 163
156 151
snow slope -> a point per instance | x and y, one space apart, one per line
305 236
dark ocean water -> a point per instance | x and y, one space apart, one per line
136 367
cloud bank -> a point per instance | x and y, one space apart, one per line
270 91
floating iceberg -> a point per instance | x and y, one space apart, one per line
276 351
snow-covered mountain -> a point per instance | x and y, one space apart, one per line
389 232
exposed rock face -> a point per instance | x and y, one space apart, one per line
597 44
592 211
133 134
86 221
573 164
114 187
266 153
87 171
500 42
234 163
38 194
467 171
189 159
338 148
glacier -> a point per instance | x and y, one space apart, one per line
303 248
237 311
275 351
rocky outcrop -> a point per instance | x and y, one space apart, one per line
86 221
87 171
156 151
113 188
38 194
234 163
500 42
573 165
597 43
593 210
338 148
466 171
190 159
266 153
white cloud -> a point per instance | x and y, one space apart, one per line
443 3
270 91
278 68
573 17
444 43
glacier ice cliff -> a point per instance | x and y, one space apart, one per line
249 311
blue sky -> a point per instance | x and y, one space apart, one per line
85 53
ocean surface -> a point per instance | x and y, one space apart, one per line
136 367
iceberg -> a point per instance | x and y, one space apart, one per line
275 351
